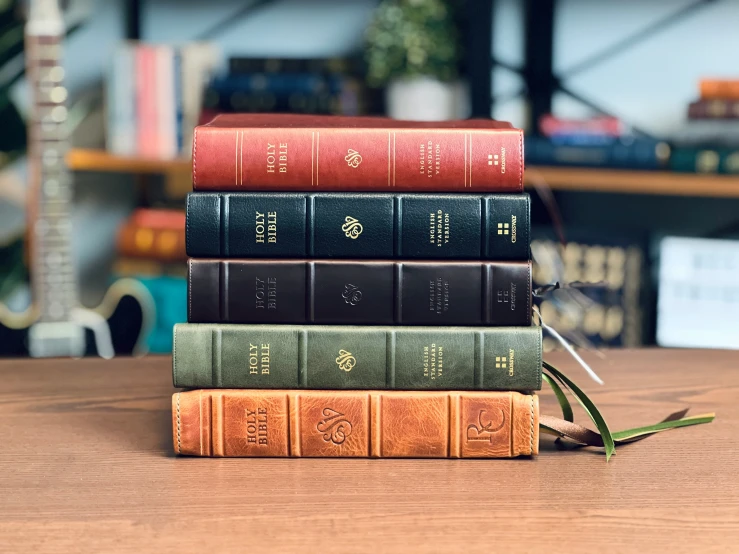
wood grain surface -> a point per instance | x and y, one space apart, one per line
86 465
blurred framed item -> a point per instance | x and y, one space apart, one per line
606 309
698 294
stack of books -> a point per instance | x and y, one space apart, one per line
290 85
357 287
154 94
603 142
709 140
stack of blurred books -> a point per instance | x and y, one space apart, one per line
151 248
595 142
154 97
290 85
709 141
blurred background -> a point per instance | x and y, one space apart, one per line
631 113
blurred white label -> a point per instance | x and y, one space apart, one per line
698 293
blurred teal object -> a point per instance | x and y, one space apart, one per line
170 299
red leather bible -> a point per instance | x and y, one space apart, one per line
282 152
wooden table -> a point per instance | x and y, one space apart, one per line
86 465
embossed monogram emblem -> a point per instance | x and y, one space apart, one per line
484 430
352 228
335 427
346 361
352 295
353 158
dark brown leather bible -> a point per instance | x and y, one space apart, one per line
359 292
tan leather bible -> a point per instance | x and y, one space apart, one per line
378 424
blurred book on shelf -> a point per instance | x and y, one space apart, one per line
151 249
593 131
595 142
154 96
291 85
708 142
698 293
609 312
154 234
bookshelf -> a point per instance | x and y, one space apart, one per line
661 183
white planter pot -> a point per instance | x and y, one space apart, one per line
426 99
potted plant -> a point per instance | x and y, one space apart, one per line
414 50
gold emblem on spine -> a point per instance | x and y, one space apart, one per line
352 228
353 158
346 361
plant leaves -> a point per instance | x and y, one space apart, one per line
567 414
588 405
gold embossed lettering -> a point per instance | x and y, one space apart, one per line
511 361
272 227
283 157
259 227
270 158
253 359
265 359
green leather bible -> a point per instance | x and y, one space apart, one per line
356 357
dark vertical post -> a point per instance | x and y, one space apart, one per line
541 82
478 59
133 18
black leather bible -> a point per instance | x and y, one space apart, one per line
359 292
379 226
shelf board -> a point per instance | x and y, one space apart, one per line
663 183
80 159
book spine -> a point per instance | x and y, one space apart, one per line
359 292
166 118
355 424
714 109
166 245
407 226
121 103
347 159
719 89
356 357
198 62
146 90
179 110
637 154
705 160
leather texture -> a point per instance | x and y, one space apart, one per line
356 357
286 152
353 292
378 424
401 226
